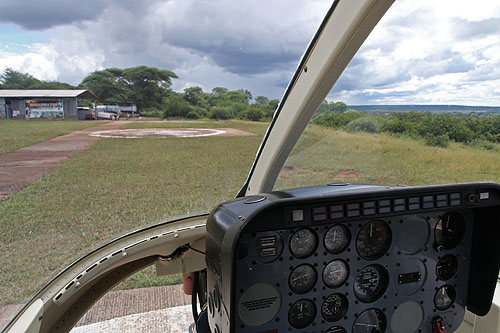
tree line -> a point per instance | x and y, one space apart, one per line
435 129
150 89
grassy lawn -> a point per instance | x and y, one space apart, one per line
15 134
324 155
119 185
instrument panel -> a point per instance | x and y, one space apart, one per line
340 264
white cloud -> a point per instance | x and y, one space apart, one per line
421 52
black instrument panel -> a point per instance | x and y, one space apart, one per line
356 265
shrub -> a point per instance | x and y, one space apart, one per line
364 124
337 119
437 140
253 113
176 106
220 113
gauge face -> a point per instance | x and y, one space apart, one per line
336 329
444 297
302 313
337 239
450 230
373 240
303 243
446 267
302 279
370 321
370 283
335 273
334 307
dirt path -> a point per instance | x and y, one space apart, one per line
20 168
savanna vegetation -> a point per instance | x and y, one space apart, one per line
435 129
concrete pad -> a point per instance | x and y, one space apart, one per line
170 320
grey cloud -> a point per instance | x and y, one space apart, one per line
465 30
39 15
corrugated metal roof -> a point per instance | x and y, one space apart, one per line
46 93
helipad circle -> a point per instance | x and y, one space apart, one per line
158 133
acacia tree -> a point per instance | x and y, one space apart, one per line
143 85
11 79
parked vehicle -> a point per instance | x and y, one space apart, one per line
111 112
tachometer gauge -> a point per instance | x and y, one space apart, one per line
370 321
334 307
302 313
370 283
446 267
444 297
303 243
335 273
302 279
450 230
373 240
337 239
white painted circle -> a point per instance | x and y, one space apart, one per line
158 133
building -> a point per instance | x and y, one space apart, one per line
42 104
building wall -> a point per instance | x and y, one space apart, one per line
70 106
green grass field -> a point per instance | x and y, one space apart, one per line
15 134
119 185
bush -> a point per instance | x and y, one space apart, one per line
196 112
253 113
337 119
176 106
483 144
151 113
437 140
364 124
220 113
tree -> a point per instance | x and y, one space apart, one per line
176 106
193 95
273 104
219 90
339 107
261 100
143 85
11 79
105 85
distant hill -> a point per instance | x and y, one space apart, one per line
464 109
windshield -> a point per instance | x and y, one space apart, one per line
416 110
197 87
195 102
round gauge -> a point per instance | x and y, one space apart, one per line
336 329
446 267
303 243
302 313
444 297
373 240
337 239
450 230
334 307
335 273
370 283
371 320
302 279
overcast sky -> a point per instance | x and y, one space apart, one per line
422 52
